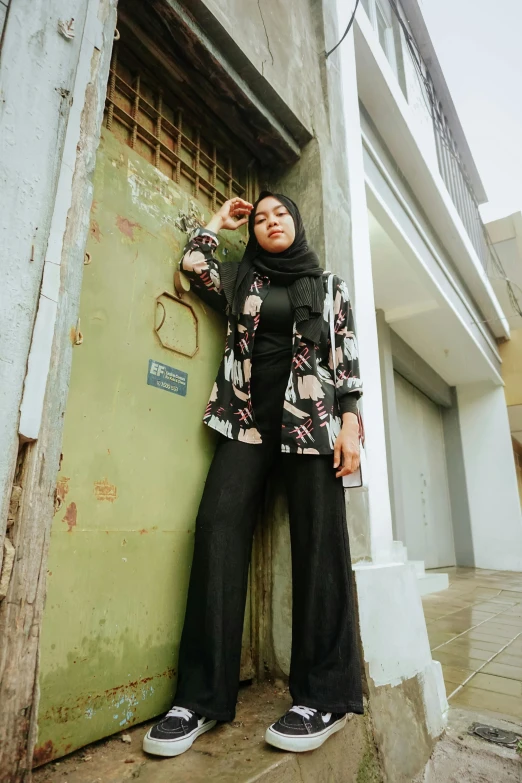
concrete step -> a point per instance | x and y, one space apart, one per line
231 753
419 567
432 583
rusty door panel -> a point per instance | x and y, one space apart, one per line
135 457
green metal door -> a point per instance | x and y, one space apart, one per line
135 453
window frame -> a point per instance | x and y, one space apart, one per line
376 8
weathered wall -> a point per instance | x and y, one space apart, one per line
38 72
37 68
263 29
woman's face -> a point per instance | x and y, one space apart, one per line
273 225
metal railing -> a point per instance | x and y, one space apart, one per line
451 165
453 172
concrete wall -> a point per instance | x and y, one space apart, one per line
428 246
37 72
407 695
496 521
263 32
391 423
511 353
458 491
418 101
412 367
517 453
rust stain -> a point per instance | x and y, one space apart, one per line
95 230
70 516
143 531
67 712
104 490
126 226
72 335
43 754
94 206
62 487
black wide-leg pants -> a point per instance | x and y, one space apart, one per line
325 667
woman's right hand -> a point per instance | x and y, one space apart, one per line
229 216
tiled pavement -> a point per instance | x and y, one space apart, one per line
475 631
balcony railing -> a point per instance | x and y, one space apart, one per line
451 165
453 172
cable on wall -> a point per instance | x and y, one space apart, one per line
350 23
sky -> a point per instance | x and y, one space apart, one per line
479 46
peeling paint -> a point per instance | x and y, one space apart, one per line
62 487
126 226
123 702
70 517
104 490
95 231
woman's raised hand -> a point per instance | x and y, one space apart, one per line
233 214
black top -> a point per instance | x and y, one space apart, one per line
271 360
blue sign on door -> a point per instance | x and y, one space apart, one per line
167 378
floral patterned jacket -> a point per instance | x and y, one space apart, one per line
312 407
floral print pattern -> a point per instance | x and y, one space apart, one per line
312 407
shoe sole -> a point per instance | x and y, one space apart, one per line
176 747
302 744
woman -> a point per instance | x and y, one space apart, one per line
274 401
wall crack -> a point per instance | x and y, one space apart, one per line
266 32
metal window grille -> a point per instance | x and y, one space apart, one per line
168 136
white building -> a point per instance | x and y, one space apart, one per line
416 188
442 476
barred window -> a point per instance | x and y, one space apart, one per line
153 122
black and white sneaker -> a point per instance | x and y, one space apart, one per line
303 728
176 732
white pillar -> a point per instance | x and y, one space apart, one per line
378 491
491 481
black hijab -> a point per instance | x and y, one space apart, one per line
296 267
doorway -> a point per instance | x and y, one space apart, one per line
135 451
426 504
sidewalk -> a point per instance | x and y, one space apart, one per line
475 631
231 753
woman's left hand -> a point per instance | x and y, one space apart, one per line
346 449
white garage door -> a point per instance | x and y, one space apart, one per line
427 512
